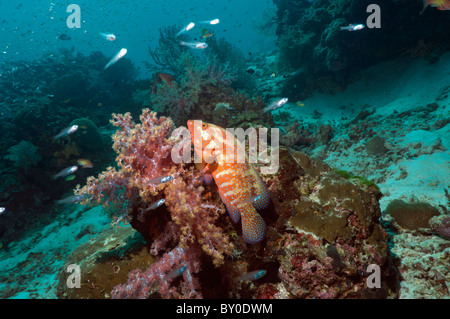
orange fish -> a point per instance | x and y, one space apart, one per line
239 185
207 35
85 163
439 4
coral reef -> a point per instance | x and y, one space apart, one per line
39 98
323 57
23 155
198 91
322 233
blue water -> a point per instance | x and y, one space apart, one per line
30 29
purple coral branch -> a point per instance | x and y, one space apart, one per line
140 284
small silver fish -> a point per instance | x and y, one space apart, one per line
275 105
177 272
161 179
253 275
353 27
108 36
65 172
2 210
71 199
186 28
214 21
156 204
116 58
195 45
66 131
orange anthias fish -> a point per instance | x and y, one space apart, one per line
239 185
439 4
85 163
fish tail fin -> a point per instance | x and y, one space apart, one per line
253 226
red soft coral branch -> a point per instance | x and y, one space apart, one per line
187 220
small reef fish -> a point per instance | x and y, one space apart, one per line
66 131
236 182
195 45
67 171
214 21
2 210
275 105
438 4
253 275
116 58
108 36
70 178
177 272
186 28
161 179
300 103
71 199
64 37
84 163
353 27
156 204
273 75
207 35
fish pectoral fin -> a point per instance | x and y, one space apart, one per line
260 189
234 213
253 226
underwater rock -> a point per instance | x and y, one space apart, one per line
105 261
375 146
324 209
324 134
411 216
87 136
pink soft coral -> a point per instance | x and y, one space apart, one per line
188 218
